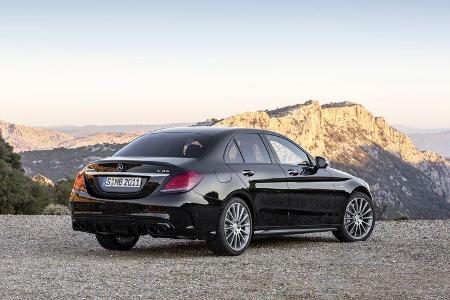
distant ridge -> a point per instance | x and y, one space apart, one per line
412 130
439 142
83 131
25 138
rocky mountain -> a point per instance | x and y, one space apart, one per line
437 141
25 138
28 138
405 181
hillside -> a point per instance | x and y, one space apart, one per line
407 181
62 163
25 138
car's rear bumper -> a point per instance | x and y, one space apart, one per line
186 215
129 226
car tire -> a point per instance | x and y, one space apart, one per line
117 242
358 219
222 243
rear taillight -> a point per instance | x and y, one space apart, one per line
79 184
182 183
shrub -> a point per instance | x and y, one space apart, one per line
56 209
401 218
61 192
380 210
20 195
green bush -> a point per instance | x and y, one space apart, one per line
401 218
8 156
56 209
19 194
61 192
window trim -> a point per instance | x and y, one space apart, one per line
292 142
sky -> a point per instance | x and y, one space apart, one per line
148 62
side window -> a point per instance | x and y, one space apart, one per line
287 152
253 149
232 154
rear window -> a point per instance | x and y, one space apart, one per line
190 145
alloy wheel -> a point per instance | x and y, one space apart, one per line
358 218
237 226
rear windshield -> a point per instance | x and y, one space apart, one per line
190 145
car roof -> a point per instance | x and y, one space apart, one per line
209 130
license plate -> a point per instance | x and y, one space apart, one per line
124 182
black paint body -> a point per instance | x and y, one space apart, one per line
283 198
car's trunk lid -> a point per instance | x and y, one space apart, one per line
130 177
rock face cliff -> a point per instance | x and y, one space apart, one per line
42 180
405 181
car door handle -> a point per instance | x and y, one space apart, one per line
248 173
292 172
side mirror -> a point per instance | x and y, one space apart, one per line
321 162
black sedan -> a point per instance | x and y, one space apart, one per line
222 185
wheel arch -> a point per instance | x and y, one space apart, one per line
361 189
246 198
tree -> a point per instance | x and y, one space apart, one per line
18 193
8 156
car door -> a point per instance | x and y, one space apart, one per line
311 191
265 180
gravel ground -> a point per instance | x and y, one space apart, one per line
41 257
